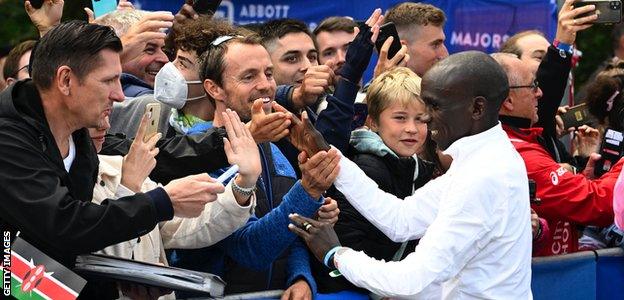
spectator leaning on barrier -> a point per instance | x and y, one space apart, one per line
567 199
49 164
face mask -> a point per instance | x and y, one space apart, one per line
171 88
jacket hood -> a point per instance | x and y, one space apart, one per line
366 141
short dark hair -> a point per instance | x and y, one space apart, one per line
511 44
335 24
11 66
407 14
76 44
273 30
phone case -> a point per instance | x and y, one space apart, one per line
102 7
386 31
609 11
153 115
576 116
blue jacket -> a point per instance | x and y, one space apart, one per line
133 86
263 254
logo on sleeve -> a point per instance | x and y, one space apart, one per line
554 176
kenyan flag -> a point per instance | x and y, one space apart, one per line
35 275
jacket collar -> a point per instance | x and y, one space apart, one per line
517 122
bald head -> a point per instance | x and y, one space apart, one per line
464 93
470 74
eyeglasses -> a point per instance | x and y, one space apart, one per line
534 86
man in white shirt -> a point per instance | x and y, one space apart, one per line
473 222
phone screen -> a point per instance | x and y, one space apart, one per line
102 7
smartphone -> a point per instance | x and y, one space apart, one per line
102 7
612 149
608 11
385 31
206 7
153 118
576 116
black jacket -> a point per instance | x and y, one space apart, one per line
51 207
393 175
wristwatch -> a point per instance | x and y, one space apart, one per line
564 49
241 190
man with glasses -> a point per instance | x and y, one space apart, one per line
567 199
16 65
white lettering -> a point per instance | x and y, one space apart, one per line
264 11
456 38
496 39
485 40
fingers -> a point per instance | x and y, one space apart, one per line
373 17
227 123
298 231
140 135
279 108
399 55
90 15
28 7
302 157
330 205
383 53
256 107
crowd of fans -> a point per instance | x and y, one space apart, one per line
415 184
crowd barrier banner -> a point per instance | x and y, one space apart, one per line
471 24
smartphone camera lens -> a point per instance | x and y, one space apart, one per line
615 5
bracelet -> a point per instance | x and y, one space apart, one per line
329 256
563 48
243 191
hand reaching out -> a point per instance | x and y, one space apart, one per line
305 137
46 17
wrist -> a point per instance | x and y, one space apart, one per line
328 260
246 181
564 45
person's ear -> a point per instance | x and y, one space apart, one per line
373 125
507 104
64 80
214 90
10 80
478 107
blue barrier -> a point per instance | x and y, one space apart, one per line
583 275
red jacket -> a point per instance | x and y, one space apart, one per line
566 199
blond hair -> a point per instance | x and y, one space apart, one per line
399 85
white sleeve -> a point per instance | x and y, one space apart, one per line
218 220
400 220
461 229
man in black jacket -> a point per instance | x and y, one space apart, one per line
48 163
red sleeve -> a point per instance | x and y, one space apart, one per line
566 196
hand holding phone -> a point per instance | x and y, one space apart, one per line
576 116
608 11
385 31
